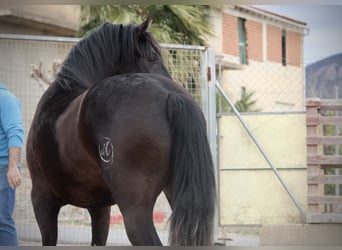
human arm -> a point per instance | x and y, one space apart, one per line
13 174
11 124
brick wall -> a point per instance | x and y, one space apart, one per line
273 44
294 48
254 40
230 35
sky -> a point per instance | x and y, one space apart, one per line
325 28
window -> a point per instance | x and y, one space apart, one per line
283 47
242 40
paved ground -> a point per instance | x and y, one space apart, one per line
242 240
29 235
75 235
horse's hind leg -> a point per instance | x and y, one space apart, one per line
46 208
139 226
136 199
99 225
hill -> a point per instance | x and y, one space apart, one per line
324 78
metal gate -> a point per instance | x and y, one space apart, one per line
191 66
261 181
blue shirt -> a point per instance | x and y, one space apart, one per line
11 129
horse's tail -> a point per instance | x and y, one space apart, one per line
193 183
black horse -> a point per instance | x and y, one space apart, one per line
113 128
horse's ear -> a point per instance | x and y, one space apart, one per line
144 26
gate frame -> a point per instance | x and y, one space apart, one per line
257 143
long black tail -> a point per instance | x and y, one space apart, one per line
194 190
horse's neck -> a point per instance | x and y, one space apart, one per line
85 67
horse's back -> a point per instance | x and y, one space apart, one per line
125 105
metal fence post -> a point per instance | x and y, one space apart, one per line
212 126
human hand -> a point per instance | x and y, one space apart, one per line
13 177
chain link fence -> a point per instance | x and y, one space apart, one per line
262 87
274 87
257 87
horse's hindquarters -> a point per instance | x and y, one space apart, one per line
83 184
128 134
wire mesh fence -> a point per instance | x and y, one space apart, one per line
262 87
274 87
19 55
186 67
256 87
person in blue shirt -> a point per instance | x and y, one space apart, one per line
11 143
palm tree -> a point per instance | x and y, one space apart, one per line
246 104
178 24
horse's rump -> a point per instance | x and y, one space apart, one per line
123 125
159 132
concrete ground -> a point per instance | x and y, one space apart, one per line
269 235
301 235
29 235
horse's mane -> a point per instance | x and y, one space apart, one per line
100 55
